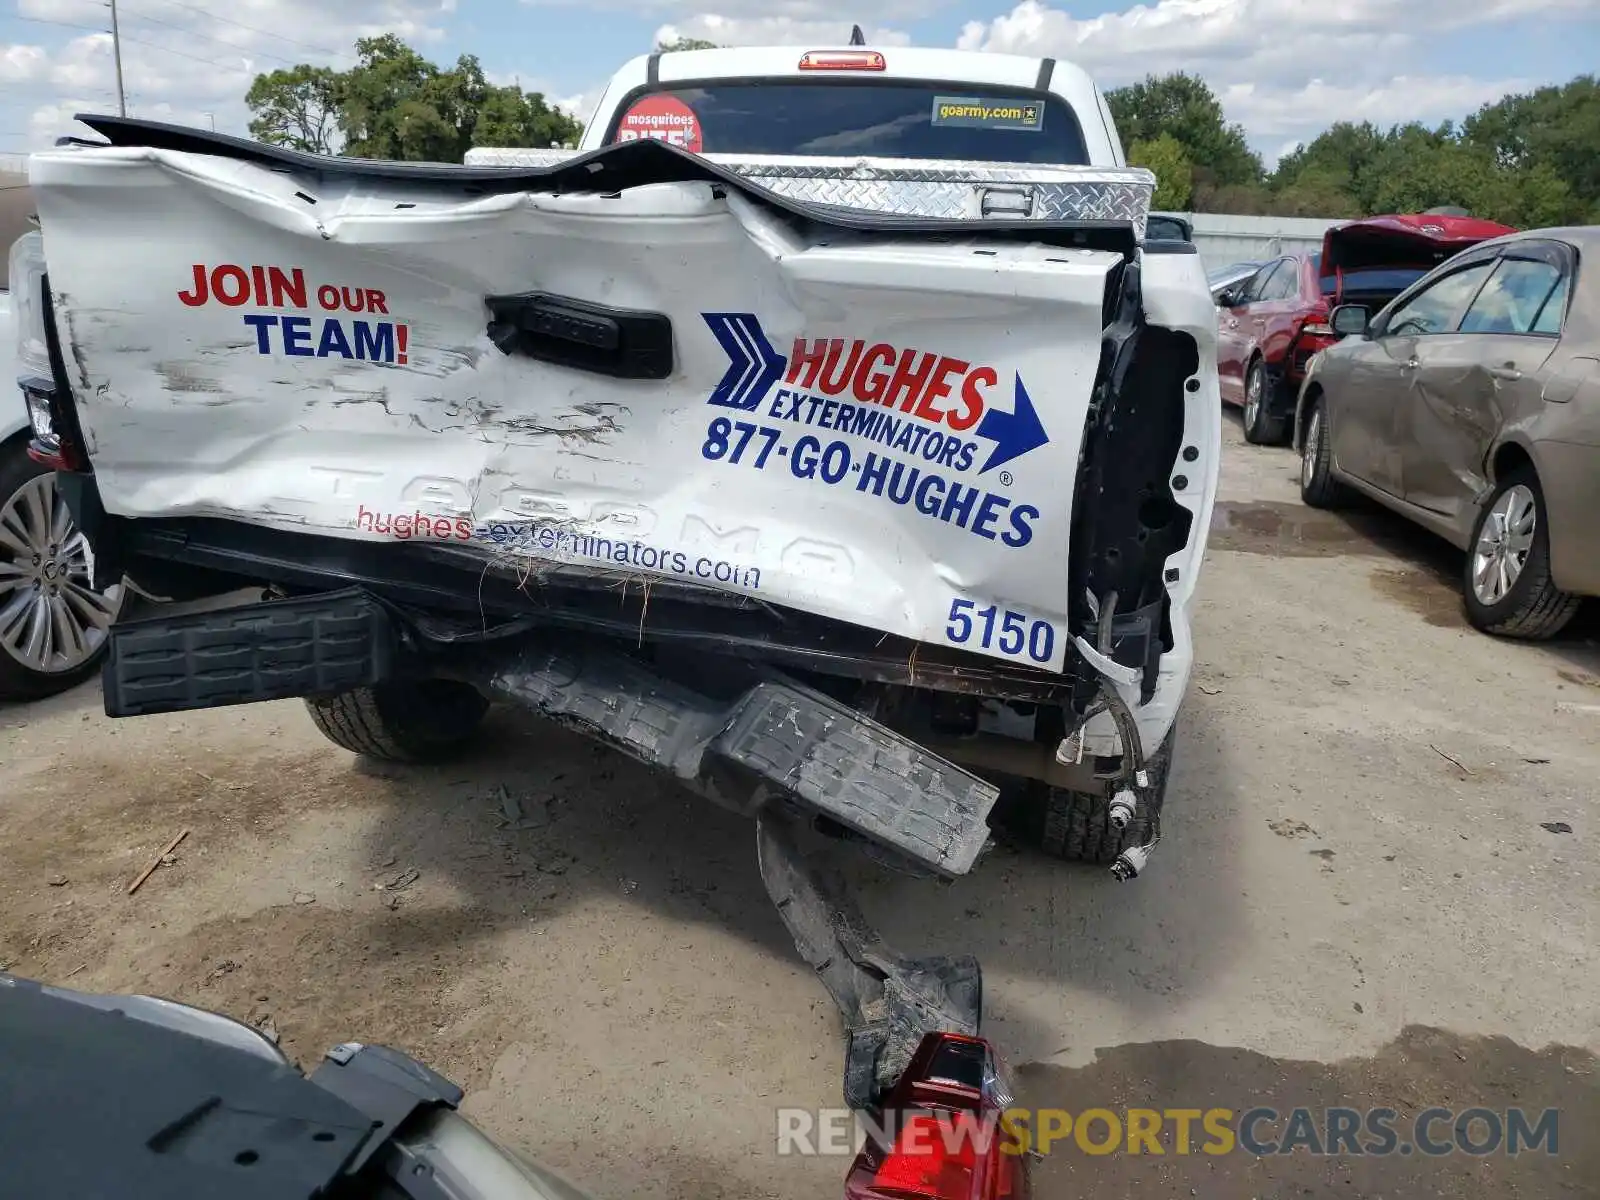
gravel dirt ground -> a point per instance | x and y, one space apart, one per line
1377 887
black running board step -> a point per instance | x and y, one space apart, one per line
277 650
777 740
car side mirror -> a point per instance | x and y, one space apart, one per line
1227 298
1348 319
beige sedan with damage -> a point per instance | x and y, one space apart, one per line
1471 405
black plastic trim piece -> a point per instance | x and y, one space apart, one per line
621 342
385 1085
652 69
1126 522
275 651
611 168
98 1101
1047 68
777 740
462 593
63 408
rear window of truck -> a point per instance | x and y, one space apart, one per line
877 118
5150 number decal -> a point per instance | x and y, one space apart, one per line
995 628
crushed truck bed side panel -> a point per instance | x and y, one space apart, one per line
868 427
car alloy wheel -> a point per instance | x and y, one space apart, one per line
1504 543
1311 448
1252 397
52 621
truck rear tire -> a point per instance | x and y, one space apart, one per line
408 721
1076 826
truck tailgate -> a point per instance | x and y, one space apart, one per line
673 380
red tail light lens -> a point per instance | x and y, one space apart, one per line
939 1135
841 60
922 1164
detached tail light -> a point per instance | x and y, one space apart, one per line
841 60
940 1134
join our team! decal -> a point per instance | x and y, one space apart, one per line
330 326
933 422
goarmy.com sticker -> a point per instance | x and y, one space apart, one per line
977 112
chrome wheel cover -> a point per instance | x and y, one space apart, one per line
1311 448
51 620
1505 539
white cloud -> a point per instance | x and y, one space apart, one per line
1372 47
1171 34
82 12
580 106
775 31
22 64
1272 112
192 67
1282 68
836 14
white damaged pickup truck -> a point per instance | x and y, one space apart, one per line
823 431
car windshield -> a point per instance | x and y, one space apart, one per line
875 118
1372 281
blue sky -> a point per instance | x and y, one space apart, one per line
1284 69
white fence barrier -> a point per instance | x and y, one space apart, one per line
1223 238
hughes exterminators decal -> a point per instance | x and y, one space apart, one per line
910 426
331 331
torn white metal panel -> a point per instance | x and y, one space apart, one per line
878 431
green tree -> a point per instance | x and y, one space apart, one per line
1419 168
1356 170
1314 194
1328 167
297 108
509 116
1174 171
685 43
395 104
1185 107
1556 129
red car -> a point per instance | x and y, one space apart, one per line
1269 326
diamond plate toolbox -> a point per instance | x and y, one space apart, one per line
934 188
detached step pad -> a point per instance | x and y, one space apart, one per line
866 777
270 651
